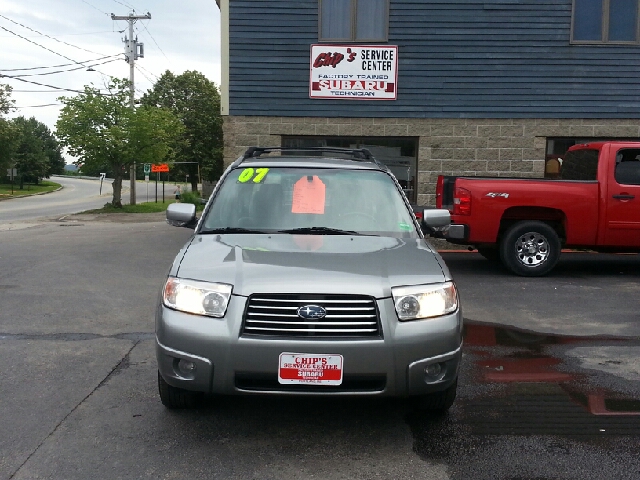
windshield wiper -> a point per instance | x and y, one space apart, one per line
229 230
315 230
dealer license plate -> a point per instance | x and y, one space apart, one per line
306 368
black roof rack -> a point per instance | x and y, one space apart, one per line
356 153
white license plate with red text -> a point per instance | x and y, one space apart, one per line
310 368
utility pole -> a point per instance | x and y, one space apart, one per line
132 50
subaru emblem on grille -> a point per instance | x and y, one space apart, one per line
309 312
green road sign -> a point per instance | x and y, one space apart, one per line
147 168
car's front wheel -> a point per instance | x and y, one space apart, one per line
175 398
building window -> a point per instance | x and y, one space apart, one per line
604 21
353 20
400 154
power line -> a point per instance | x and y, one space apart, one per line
65 71
34 91
154 40
150 73
144 75
93 6
44 84
124 5
42 46
48 36
65 34
55 66
38 106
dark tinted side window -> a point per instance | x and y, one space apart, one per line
627 170
580 165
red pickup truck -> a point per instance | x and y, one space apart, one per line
593 204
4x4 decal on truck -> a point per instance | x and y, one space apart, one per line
494 195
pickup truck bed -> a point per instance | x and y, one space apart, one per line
525 222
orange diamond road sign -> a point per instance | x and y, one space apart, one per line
162 167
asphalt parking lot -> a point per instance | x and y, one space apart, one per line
550 385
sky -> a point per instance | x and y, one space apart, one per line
181 35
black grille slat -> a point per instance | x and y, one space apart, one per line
276 315
350 383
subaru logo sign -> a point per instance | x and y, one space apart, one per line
309 312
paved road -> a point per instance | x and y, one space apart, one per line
76 195
550 400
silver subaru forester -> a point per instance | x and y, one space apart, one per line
308 274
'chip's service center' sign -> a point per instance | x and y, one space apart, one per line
355 72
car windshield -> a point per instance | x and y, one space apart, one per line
309 201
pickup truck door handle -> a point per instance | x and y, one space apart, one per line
624 197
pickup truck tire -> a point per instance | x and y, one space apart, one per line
176 398
530 248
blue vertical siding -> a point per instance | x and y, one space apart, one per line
457 59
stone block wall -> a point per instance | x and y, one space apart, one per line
500 147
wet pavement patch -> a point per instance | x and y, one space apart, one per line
546 398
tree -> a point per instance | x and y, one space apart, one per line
7 133
196 101
6 103
35 136
52 150
31 160
102 130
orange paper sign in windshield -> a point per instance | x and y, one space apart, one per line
308 196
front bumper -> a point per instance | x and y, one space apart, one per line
227 362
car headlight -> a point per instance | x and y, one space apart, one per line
425 301
200 298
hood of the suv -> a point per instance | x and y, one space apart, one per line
280 263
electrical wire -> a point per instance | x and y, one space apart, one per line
67 34
150 73
154 41
93 6
44 84
34 91
42 46
38 106
56 66
143 74
128 6
65 71
48 36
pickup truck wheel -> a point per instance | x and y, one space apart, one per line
530 248
174 398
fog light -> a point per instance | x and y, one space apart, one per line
433 370
186 366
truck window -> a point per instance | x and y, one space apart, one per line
627 170
580 165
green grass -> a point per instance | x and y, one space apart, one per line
29 189
146 207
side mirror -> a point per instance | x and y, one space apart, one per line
182 215
435 220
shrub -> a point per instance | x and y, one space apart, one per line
190 197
